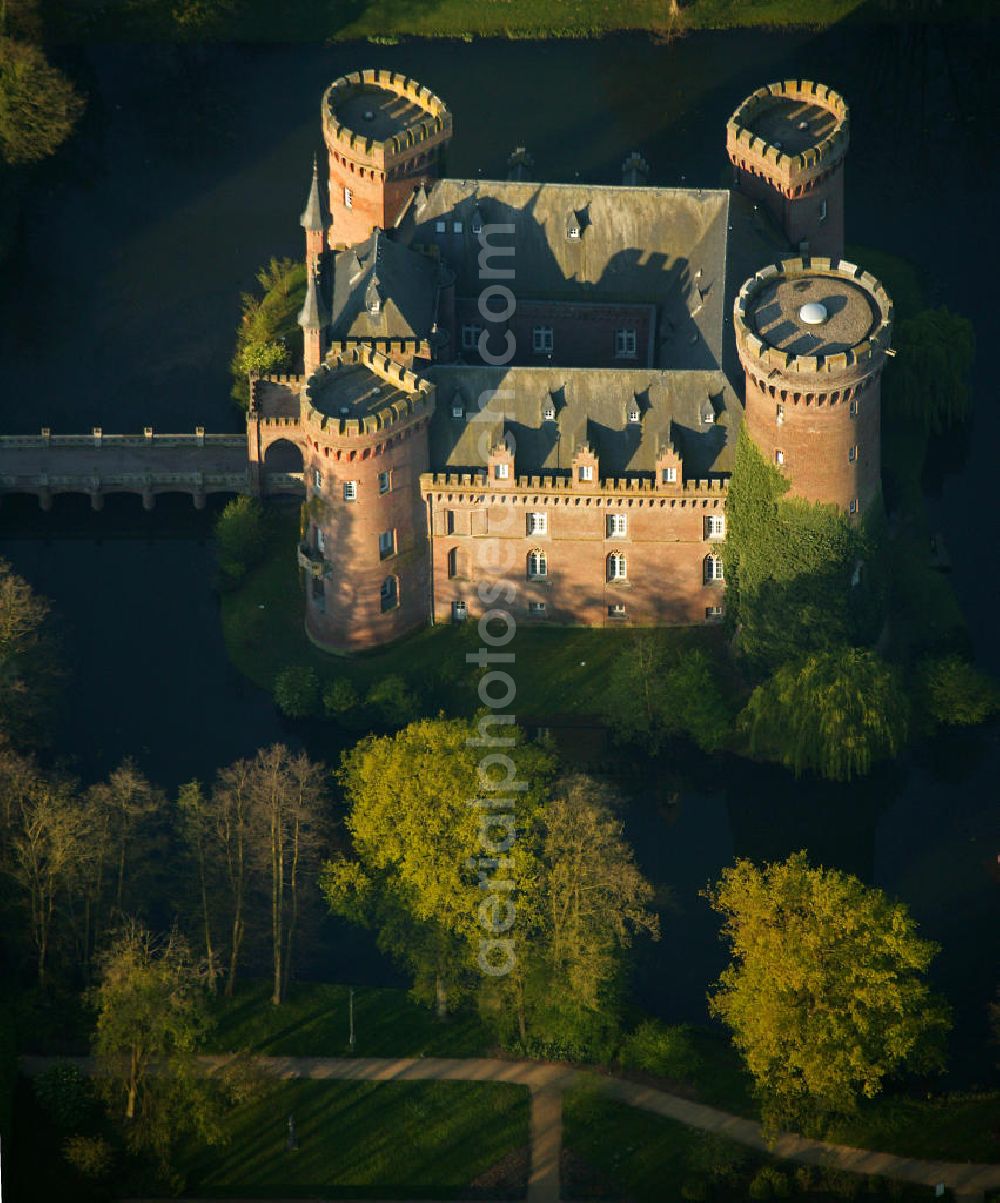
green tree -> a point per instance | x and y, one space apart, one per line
394 701
928 381
297 691
340 698
825 996
656 691
269 338
835 714
151 1008
954 693
28 669
240 538
792 581
38 105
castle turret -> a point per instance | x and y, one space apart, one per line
365 545
312 319
787 144
812 336
312 222
386 136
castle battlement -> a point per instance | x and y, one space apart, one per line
608 489
353 138
410 396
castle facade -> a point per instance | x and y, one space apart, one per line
530 394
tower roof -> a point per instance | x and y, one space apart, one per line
313 313
312 214
383 290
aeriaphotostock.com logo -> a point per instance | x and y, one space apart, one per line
498 784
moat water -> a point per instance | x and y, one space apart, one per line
119 309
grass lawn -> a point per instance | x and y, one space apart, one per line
314 1022
558 671
382 1139
959 1128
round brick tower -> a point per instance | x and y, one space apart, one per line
787 144
812 336
364 542
385 135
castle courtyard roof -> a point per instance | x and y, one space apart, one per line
404 282
583 242
627 417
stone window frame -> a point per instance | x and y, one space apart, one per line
586 473
387 544
501 471
537 609
348 197
385 478
459 611
617 610
537 523
668 476
616 526
712 569
616 567
537 565
393 593
715 526
350 490
779 457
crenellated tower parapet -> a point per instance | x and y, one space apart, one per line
385 135
812 336
787 143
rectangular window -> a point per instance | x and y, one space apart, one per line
854 407
458 611
538 524
440 226
586 472
384 482
779 416
350 490
669 476
822 210
713 613
541 339
317 478
501 471
456 227
715 526
779 458
386 544
713 569
617 524
853 507
617 610
458 411
536 609
470 337
852 455
453 563
538 565
320 541
348 198
625 344
449 522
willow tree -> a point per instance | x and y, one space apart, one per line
835 714
826 994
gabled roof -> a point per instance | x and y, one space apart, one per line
662 246
405 281
695 412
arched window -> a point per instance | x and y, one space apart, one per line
617 566
713 569
389 594
538 566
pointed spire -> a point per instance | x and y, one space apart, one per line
312 214
311 314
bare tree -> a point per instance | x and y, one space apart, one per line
230 818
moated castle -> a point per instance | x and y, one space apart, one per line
561 370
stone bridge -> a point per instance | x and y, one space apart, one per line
146 464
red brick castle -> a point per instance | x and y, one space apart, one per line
528 395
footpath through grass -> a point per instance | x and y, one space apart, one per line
559 672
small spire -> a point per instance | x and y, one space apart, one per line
373 296
312 214
311 314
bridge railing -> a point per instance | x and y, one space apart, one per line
84 481
97 438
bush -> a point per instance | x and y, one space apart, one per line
339 698
65 1095
668 1052
956 694
769 1183
90 1156
394 701
297 692
240 538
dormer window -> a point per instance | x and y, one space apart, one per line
501 471
668 476
633 414
541 339
456 227
585 472
625 344
573 227
477 222
549 413
457 410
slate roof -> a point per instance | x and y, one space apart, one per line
405 281
695 411
662 246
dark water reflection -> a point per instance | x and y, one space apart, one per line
118 310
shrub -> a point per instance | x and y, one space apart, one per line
240 538
90 1156
694 1189
65 1095
394 701
38 105
297 692
769 1183
955 693
668 1052
339 697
